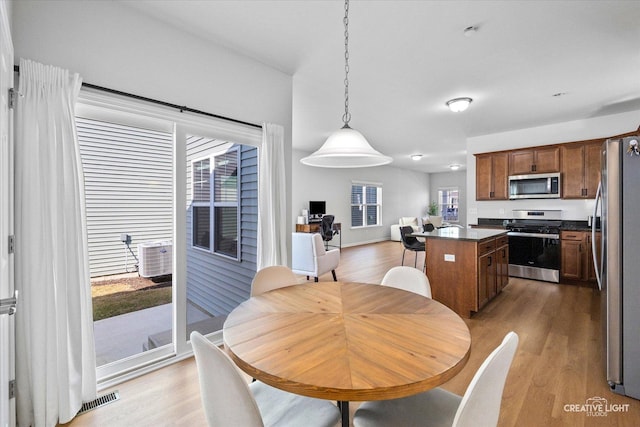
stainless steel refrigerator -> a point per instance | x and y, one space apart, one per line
618 266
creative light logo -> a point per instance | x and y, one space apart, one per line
596 407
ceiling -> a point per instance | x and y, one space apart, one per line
407 58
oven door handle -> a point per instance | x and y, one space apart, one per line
537 235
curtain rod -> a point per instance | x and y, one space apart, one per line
181 108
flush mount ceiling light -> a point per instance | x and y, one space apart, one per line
416 157
346 147
454 167
459 104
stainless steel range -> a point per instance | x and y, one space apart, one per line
534 244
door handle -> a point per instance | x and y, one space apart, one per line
8 305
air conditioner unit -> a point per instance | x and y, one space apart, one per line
155 258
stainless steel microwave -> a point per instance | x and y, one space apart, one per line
537 186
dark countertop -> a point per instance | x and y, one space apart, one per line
474 234
567 225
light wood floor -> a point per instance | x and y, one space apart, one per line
558 361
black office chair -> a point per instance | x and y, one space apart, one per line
326 229
412 244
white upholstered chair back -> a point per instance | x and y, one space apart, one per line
480 405
226 397
274 277
409 279
309 256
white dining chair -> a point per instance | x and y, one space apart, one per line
310 258
409 279
479 407
229 401
273 277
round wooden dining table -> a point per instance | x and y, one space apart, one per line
347 341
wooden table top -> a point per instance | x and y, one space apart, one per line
347 341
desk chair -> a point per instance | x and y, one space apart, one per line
479 407
412 244
229 401
326 229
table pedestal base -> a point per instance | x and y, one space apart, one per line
344 410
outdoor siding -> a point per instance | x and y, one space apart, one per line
216 283
128 187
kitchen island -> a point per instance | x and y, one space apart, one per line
466 267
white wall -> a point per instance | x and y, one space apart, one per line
578 130
115 46
448 180
404 193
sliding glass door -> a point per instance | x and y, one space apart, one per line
172 210
128 169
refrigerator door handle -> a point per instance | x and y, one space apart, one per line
597 265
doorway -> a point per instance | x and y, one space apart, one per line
7 324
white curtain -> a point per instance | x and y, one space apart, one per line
55 355
272 218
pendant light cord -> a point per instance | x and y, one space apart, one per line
347 116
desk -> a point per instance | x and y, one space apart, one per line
347 341
314 227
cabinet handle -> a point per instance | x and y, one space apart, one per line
490 262
504 252
580 247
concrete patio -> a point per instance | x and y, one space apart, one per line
128 334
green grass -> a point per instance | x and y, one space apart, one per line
126 302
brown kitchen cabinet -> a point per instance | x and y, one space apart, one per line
487 272
534 160
576 263
491 176
580 169
465 267
502 259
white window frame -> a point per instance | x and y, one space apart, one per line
212 204
198 203
181 124
442 206
364 204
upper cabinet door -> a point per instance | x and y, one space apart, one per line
538 160
491 176
580 170
521 162
573 171
547 160
592 156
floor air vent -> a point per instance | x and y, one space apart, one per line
100 401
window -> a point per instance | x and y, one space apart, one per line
366 205
216 203
448 204
201 203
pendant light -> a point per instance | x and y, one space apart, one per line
346 147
